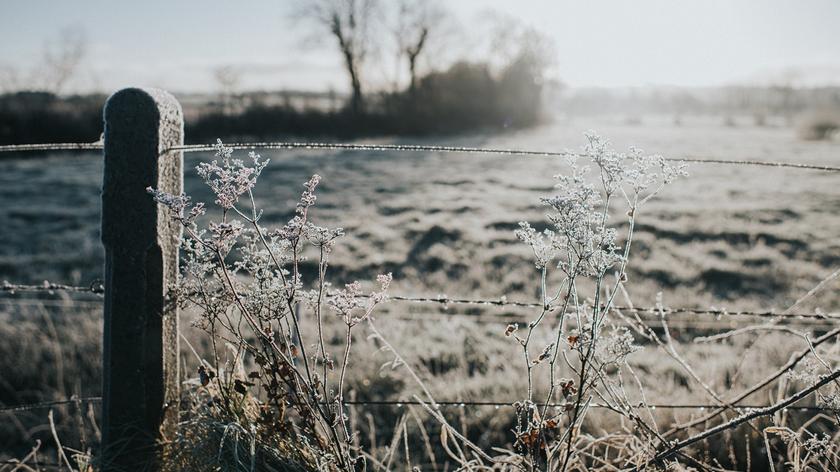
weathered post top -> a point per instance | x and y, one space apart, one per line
140 348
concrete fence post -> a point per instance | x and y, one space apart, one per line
140 348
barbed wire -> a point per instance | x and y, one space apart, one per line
48 404
97 288
490 318
500 404
455 403
443 300
52 147
470 150
404 148
675 325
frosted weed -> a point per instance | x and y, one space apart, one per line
582 244
284 387
246 281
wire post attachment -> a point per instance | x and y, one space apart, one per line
140 348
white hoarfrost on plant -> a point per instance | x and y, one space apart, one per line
277 376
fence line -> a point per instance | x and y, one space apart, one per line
143 146
472 150
653 310
455 403
97 289
499 404
722 327
404 148
500 318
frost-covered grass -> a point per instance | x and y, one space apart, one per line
444 223
245 282
441 226
461 360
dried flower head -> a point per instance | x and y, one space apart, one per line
231 178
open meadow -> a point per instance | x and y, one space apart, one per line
420 235
726 237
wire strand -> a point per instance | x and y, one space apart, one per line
97 288
52 147
500 404
402 148
458 403
470 150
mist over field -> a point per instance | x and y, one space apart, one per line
652 314
441 222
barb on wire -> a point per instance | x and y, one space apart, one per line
95 287
49 404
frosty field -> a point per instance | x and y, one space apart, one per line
734 237
739 237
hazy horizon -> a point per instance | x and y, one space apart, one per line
178 46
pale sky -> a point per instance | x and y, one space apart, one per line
614 43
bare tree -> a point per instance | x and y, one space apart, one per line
59 62
228 79
511 40
350 23
62 58
415 22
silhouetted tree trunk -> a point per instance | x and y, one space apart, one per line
412 52
348 21
412 25
351 58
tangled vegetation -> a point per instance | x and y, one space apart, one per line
276 384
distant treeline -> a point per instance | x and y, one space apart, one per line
465 97
42 117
